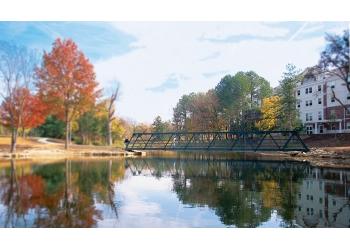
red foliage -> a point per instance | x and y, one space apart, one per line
35 114
22 110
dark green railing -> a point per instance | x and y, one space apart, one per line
218 141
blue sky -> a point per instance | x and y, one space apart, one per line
158 62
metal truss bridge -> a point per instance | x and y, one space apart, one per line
237 141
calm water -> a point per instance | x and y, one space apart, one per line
170 192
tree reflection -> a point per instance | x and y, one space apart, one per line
242 193
59 195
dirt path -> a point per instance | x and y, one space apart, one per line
45 140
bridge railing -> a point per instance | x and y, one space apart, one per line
220 141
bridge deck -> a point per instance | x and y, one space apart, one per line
218 141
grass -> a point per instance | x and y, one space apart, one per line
33 143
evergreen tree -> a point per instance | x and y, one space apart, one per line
290 118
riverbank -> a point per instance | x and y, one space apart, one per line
50 148
44 148
332 157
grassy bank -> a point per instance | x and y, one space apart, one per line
46 148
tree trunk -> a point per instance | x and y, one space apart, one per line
109 133
13 140
67 135
70 133
23 133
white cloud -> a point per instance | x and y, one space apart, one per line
177 48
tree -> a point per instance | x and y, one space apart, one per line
52 127
232 99
258 87
182 111
205 112
270 110
111 110
142 128
233 104
66 82
30 115
159 126
290 118
335 59
93 126
89 127
16 76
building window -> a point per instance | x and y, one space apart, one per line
319 100
332 99
306 91
348 97
332 87
319 88
310 90
311 197
334 203
321 200
309 130
308 103
308 116
348 125
307 197
298 92
299 208
299 195
312 211
319 115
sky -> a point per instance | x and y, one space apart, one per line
158 62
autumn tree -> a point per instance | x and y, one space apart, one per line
16 77
205 112
66 82
270 110
335 60
142 127
31 115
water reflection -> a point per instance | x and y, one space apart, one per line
166 192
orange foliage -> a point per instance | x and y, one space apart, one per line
66 80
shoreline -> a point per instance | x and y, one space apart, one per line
319 157
61 154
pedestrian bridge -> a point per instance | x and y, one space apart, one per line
237 141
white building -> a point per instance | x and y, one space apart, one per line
323 199
318 110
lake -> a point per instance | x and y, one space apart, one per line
172 192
